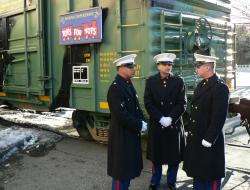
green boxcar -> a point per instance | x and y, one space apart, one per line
37 71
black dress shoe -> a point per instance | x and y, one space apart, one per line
171 186
153 186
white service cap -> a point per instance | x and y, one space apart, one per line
204 58
167 58
128 59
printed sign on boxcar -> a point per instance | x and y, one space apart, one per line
81 27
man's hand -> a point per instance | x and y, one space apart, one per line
166 121
144 126
206 143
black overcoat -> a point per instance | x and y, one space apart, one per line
165 97
124 145
208 114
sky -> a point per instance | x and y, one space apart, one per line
240 11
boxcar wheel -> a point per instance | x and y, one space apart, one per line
79 119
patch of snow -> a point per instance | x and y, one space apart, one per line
15 139
13 135
242 78
61 112
45 120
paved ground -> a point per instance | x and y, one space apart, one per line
75 164
80 165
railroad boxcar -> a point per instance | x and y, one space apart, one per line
60 53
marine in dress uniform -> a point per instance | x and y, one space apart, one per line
165 102
127 121
205 155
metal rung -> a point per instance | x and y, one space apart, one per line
139 78
44 78
22 50
190 92
23 38
173 25
216 28
130 25
132 51
17 60
174 50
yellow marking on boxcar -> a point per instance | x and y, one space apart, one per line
104 105
3 94
44 98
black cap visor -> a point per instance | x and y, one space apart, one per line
165 63
198 64
129 65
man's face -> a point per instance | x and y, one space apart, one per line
202 70
164 68
128 70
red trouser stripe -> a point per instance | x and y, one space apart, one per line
118 185
153 169
215 185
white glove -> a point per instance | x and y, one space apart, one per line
144 126
166 121
206 143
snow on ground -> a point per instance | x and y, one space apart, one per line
243 92
242 85
13 135
242 79
46 120
15 139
